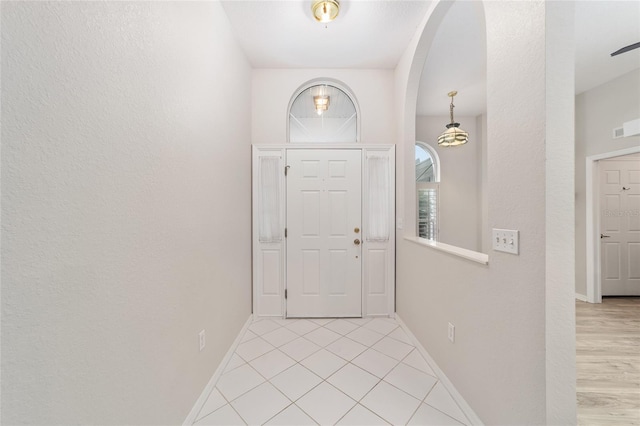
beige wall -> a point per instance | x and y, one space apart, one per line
598 112
513 346
483 228
125 208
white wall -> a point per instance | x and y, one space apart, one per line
125 208
272 90
499 361
598 112
459 213
560 333
483 229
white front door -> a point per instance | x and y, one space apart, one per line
324 273
620 226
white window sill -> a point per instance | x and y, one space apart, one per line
456 251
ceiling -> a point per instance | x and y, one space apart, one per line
375 33
284 34
460 41
602 27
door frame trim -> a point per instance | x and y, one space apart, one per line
273 304
593 257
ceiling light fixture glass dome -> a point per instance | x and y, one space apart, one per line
454 135
325 10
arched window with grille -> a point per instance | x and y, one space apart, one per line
427 188
323 111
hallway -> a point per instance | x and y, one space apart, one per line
358 371
127 213
608 361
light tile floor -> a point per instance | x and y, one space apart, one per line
328 371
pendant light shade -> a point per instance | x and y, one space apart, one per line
321 103
454 135
325 10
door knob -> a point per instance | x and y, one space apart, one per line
605 236
356 242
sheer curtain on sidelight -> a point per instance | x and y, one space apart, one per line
270 196
379 209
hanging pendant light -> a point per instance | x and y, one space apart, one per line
454 135
321 103
325 10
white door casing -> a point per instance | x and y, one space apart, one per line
593 218
324 259
377 231
620 226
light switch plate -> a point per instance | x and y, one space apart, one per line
506 240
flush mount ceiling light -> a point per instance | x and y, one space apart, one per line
321 103
325 10
453 136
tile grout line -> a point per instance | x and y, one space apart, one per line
471 418
348 362
323 380
250 366
421 401
234 408
293 402
211 384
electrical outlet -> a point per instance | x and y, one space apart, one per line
203 342
506 240
452 333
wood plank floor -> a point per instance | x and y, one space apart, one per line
608 361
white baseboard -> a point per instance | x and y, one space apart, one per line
193 414
466 409
581 297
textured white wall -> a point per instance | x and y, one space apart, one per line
459 211
598 112
125 208
560 333
499 360
483 230
272 90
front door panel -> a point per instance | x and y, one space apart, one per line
324 274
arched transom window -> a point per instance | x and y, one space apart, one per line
323 113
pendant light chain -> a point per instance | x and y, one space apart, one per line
451 110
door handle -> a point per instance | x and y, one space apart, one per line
605 236
356 242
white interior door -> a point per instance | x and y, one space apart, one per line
620 226
324 273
